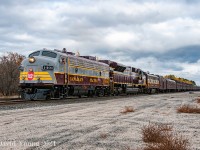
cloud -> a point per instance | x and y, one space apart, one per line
142 31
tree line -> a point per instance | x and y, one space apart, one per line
9 73
173 77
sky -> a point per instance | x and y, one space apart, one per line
159 36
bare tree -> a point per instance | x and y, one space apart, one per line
9 74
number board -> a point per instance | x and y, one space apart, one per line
47 68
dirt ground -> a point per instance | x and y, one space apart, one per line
98 124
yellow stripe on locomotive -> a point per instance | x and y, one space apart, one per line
43 76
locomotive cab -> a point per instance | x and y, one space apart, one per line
38 67
37 74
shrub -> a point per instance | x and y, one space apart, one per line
103 135
160 137
198 100
155 133
188 109
171 142
127 109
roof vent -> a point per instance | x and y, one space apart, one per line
64 50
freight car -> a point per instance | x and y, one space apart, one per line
49 74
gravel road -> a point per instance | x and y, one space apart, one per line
95 124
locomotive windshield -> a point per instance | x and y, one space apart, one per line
49 54
35 54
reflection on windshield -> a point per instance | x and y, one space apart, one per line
49 54
35 54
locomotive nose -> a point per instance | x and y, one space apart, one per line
37 70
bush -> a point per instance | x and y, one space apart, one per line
198 100
160 137
155 133
127 109
188 109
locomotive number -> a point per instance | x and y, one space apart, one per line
47 68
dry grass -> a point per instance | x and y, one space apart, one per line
103 135
155 133
160 137
198 100
188 109
172 142
127 109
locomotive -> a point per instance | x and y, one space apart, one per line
48 74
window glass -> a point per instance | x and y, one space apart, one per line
95 73
90 72
35 54
76 70
83 71
49 54
72 70
79 71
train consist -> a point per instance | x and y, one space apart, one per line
47 74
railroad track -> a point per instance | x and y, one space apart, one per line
15 101
69 100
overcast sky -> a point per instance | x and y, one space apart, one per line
160 36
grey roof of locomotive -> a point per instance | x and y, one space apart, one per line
80 58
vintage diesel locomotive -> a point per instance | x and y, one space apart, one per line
47 74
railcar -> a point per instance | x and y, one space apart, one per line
122 79
125 79
153 83
171 85
141 80
179 86
184 87
163 84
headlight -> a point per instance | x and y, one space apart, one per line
31 59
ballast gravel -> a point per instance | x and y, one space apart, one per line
95 123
